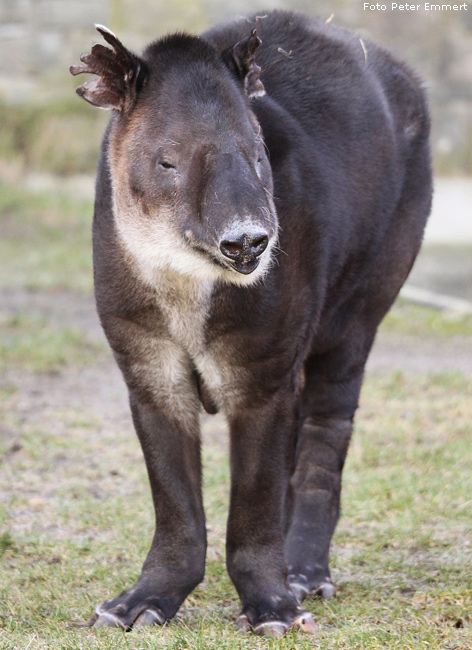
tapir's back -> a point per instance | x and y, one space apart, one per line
324 75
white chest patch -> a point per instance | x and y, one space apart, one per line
185 304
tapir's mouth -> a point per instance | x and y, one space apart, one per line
245 266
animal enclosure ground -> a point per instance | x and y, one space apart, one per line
75 507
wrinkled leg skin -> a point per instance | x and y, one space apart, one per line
256 563
176 561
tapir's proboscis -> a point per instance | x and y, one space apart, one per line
261 196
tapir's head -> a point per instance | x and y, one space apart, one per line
192 185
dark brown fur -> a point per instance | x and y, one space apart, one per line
194 183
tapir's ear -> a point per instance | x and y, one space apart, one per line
241 60
121 74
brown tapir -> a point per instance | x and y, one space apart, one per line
253 224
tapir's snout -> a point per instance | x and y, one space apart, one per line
244 249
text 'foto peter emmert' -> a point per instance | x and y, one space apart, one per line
425 6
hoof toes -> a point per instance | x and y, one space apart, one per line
326 590
106 619
300 591
304 623
242 624
150 617
274 629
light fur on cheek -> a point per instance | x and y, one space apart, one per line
155 245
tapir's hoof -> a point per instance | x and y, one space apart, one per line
301 589
150 617
304 623
275 629
102 618
242 623
325 590
106 619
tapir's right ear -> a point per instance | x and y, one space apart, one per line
121 74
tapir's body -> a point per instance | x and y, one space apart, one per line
246 248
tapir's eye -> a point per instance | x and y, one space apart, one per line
258 164
260 157
164 164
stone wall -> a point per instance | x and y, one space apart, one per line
40 38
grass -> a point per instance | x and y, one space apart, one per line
408 318
36 344
75 508
60 137
76 521
45 241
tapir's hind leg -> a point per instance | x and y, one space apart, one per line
333 383
326 419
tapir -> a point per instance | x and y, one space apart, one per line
261 196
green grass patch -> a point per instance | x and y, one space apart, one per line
61 138
408 318
76 521
35 344
46 240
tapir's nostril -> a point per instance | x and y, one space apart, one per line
231 248
245 247
259 244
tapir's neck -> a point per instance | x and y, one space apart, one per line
185 303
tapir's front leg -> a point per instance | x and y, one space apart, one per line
176 560
260 446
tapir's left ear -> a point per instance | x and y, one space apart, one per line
241 60
121 74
